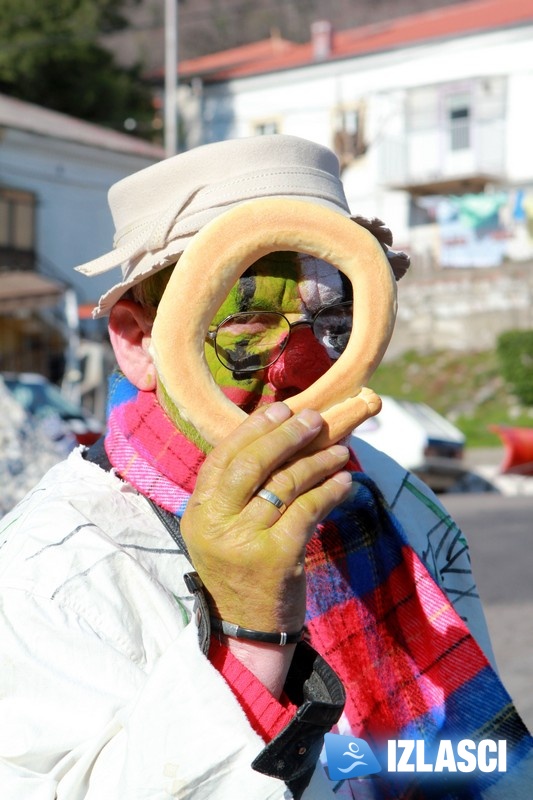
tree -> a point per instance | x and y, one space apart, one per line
50 55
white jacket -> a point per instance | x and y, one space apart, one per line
93 704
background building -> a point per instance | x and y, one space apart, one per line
55 172
429 115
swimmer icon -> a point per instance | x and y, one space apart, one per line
354 751
349 757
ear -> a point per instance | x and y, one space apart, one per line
130 328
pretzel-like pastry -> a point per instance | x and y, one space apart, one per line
211 264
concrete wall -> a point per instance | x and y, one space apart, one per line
462 309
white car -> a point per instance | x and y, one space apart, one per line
419 439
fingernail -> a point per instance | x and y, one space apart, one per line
343 477
339 451
277 412
311 419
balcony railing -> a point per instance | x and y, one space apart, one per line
463 151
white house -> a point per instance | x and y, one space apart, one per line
55 172
429 114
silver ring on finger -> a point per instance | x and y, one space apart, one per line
272 498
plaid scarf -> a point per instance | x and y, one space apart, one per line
409 665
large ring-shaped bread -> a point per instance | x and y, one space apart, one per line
214 260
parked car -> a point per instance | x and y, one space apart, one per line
419 439
41 398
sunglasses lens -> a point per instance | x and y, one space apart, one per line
332 327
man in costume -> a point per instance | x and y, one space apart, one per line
176 625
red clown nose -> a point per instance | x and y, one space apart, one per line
302 362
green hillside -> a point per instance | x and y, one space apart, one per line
467 388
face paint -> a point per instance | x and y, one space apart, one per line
297 286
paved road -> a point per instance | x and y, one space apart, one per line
500 533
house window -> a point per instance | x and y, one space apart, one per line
266 127
348 133
459 121
17 229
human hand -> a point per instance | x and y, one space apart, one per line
248 555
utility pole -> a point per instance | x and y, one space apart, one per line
171 77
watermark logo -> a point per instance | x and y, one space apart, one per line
349 757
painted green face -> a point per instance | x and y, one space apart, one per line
297 286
